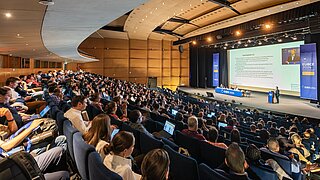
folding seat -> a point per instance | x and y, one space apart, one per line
211 155
69 131
205 173
60 120
170 143
97 170
181 166
81 154
53 112
264 172
150 125
148 143
189 143
282 160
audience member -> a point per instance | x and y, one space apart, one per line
193 128
155 165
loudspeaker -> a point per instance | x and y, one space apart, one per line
181 49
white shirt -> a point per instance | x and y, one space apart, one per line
15 94
75 117
100 147
121 166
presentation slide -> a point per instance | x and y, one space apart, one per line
266 67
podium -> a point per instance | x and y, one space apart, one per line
270 97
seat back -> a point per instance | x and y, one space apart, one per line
53 112
116 122
282 160
181 166
68 131
170 143
60 120
263 172
189 143
205 173
211 155
81 154
97 170
148 143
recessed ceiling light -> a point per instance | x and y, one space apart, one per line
8 15
46 2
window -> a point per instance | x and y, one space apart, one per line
37 64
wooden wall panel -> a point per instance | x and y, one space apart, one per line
116 44
138 44
154 54
154 72
116 53
175 63
138 72
92 43
116 63
139 54
154 63
154 44
142 63
135 60
175 54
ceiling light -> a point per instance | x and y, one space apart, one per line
46 2
268 26
194 42
286 35
209 39
249 41
259 42
246 45
224 47
238 33
8 15
239 42
279 40
294 38
226 44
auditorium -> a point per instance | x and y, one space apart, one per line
160 89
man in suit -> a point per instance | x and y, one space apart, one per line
277 94
293 58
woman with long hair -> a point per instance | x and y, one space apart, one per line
120 148
99 133
155 165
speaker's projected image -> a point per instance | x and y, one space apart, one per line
291 55
265 67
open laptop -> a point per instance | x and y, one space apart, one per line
114 132
211 114
174 112
221 124
41 115
168 129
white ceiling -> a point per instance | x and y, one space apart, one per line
69 22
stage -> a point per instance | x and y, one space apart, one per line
288 104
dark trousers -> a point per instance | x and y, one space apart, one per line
277 98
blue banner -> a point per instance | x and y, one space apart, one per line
215 68
230 92
308 72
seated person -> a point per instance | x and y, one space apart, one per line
155 165
5 94
235 164
111 111
193 128
135 120
235 136
300 149
118 151
46 161
213 137
6 118
99 134
79 103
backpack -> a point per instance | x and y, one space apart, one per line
20 166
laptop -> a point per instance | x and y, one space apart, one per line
174 112
114 132
168 129
221 124
211 114
41 115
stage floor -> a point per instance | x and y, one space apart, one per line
288 104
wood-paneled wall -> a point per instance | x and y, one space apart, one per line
136 60
15 72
